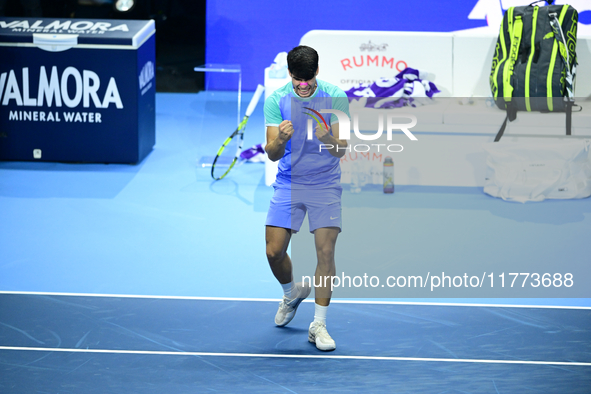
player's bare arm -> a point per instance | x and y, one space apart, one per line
277 138
331 140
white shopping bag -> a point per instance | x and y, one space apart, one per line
533 171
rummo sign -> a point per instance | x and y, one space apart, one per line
348 58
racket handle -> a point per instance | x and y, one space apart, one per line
255 100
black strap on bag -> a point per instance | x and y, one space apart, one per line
511 115
569 116
502 130
569 82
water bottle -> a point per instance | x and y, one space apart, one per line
363 173
388 175
355 175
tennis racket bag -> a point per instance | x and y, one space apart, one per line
534 63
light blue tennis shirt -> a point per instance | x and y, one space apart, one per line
304 164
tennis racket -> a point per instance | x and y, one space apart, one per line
225 159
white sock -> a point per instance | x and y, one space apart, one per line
320 313
288 290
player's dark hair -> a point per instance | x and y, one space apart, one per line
302 62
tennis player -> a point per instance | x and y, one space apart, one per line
308 181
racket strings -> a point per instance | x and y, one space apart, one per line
228 154
224 160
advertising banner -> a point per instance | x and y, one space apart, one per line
77 90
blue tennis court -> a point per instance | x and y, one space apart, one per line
112 344
152 278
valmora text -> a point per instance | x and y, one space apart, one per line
53 90
65 25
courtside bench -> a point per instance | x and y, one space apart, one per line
451 130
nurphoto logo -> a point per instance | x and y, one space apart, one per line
345 130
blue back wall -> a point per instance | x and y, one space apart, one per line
251 33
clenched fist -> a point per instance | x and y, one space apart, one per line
322 133
285 131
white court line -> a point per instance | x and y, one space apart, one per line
309 356
333 301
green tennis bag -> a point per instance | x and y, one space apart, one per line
535 61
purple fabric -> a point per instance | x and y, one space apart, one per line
400 89
252 152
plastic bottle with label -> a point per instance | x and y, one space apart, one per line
355 177
388 175
363 173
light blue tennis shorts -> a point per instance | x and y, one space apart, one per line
289 206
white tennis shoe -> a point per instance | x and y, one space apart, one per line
287 308
317 334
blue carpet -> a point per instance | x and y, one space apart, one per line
162 227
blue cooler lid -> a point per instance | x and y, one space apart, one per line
67 33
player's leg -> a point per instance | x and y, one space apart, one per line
325 240
284 217
324 207
293 293
277 240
